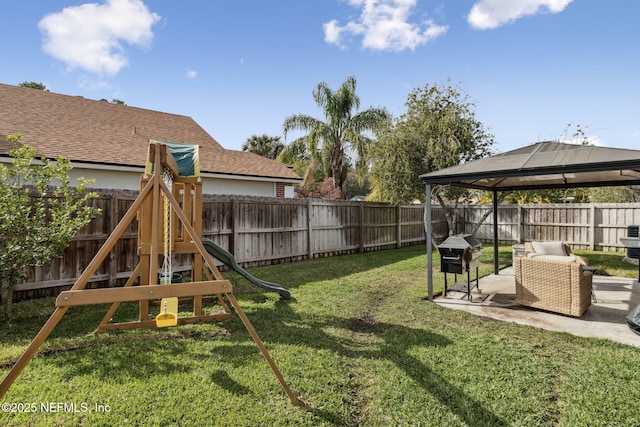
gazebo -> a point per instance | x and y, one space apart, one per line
538 166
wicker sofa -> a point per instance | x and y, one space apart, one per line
553 282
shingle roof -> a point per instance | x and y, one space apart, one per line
85 130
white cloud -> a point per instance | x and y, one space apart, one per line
89 36
191 74
489 14
93 85
384 25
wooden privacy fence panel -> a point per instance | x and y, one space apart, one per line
258 231
268 231
217 220
124 257
411 222
595 226
261 231
509 222
333 228
380 225
570 224
439 225
611 222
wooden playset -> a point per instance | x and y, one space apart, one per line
169 213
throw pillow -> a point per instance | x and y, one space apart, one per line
549 248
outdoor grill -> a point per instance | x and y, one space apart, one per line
460 254
633 231
632 243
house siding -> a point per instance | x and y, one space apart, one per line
238 187
120 180
130 180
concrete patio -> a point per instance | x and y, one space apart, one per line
615 298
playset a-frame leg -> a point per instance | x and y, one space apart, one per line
150 239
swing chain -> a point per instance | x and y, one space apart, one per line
167 270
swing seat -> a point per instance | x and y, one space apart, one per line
169 314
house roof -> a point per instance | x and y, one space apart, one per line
545 165
84 130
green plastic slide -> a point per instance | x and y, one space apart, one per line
227 259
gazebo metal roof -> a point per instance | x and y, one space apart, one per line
545 165
541 165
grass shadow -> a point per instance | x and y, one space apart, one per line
395 343
223 380
121 362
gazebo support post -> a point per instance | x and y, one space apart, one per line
495 233
429 232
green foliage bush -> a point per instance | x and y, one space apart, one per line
39 213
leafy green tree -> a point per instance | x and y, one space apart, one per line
344 128
39 214
525 197
114 101
621 194
264 145
438 130
296 155
34 85
356 185
296 151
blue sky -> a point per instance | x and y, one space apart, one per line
238 68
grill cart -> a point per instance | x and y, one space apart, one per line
458 255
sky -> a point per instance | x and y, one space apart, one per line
535 70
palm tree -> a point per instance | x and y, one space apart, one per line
263 145
343 128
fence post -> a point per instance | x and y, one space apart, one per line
361 214
465 220
592 226
399 226
115 219
235 225
520 224
309 229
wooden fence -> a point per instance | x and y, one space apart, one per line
258 231
262 231
594 226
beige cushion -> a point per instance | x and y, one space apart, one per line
550 248
561 258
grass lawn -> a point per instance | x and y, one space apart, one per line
357 343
